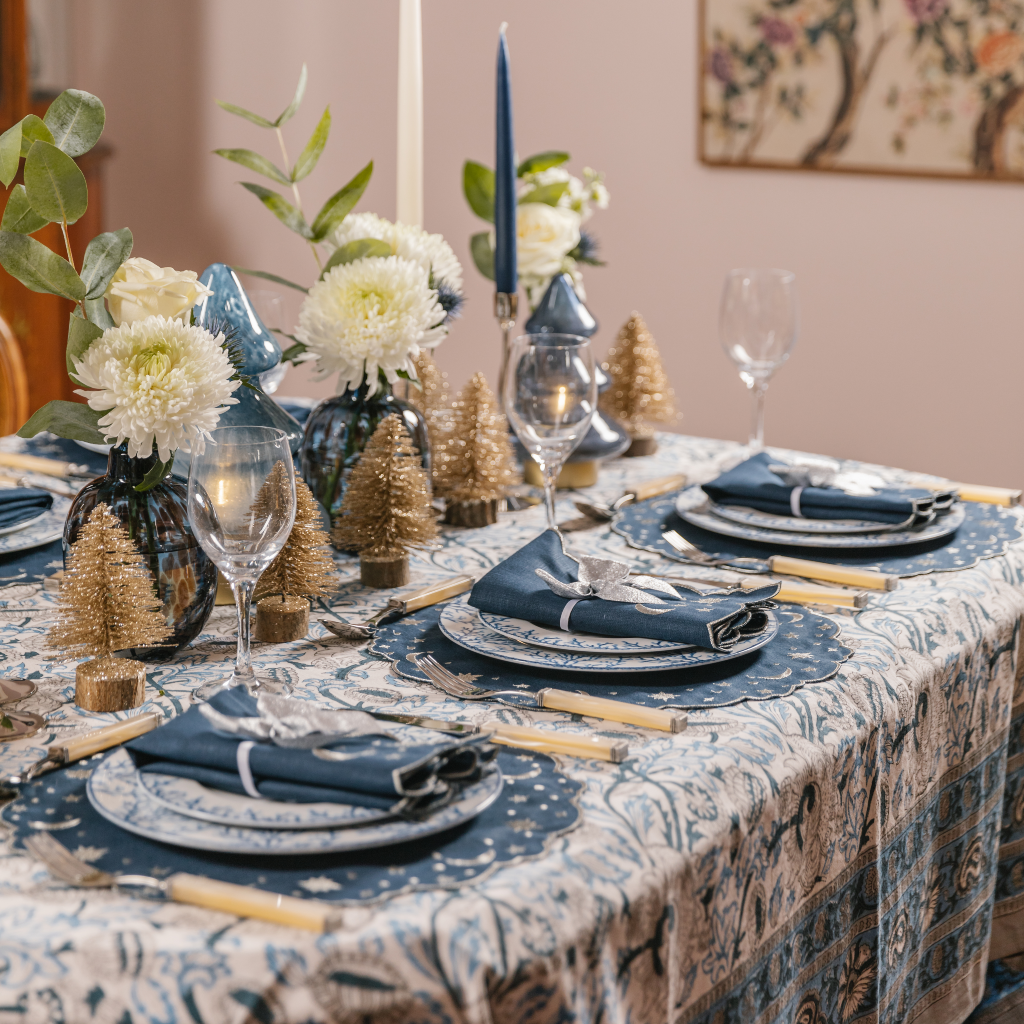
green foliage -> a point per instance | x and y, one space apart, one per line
55 184
542 162
478 186
158 471
103 256
338 207
75 120
255 162
81 334
311 153
97 312
38 268
232 108
291 355
276 203
33 130
483 254
72 420
19 215
10 154
271 277
549 194
263 122
356 250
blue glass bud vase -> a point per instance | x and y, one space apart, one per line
337 432
157 520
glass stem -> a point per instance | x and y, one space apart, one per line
549 474
757 427
242 590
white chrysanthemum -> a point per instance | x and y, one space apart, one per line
162 381
369 315
431 252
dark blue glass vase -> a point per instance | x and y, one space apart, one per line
337 432
157 520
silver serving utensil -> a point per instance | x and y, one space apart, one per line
400 606
641 492
12 689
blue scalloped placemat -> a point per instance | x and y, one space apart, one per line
806 650
536 805
987 531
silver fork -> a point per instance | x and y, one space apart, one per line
66 867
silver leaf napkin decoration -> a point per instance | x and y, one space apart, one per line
808 474
294 723
605 578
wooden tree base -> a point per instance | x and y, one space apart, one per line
641 446
280 622
573 474
471 513
110 684
383 574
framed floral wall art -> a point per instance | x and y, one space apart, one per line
927 87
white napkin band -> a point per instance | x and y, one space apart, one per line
794 502
563 621
244 771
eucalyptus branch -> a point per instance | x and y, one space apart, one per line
71 260
295 192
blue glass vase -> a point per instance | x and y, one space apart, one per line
337 432
157 520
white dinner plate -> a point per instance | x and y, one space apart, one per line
44 529
580 643
115 792
5 530
461 623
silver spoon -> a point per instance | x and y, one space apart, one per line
641 492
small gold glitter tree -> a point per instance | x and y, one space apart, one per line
474 465
640 394
107 604
386 510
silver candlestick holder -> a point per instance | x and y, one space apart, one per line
506 307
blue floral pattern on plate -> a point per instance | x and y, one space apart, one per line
44 529
790 524
580 643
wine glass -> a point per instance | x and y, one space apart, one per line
241 504
550 396
758 325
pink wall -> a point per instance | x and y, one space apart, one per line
910 347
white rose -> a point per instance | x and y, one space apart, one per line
140 289
545 234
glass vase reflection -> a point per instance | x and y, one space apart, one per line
338 430
157 520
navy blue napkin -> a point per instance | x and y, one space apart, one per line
19 504
384 774
718 620
753 484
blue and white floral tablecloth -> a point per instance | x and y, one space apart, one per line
852 851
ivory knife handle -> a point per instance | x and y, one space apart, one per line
245 901
866 578
433 594
110 736
808 593
35 464
612 710
664 484
1004 496
546 742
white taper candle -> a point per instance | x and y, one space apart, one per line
409 205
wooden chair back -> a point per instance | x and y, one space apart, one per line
13 382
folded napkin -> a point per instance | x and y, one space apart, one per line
19 504
764 483
543 584
262 748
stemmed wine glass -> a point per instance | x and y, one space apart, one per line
241 504
550 396
758 325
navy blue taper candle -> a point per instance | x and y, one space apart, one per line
505 278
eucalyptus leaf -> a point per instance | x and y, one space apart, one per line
72 420
81 334
19 215
96 310
356 250
280 208
300 91
541 162
32 130
483 254
10 153
337 208
55 183
75 119
478 186
271 277
311 154
38 268
549 194
255 162
103 257
292 354
231 108
158 471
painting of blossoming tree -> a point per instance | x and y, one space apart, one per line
890 86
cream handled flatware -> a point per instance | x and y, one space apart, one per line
40 482
400 606
48 467
808 593
240 900
1005 496
546 742
641 492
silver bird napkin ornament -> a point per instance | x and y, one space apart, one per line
605 578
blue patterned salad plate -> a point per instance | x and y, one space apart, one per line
43 529
462 624
579 643
770 521
115 792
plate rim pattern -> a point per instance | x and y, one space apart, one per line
664 646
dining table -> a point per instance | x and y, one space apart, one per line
816 851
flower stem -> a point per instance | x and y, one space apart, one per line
295 193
